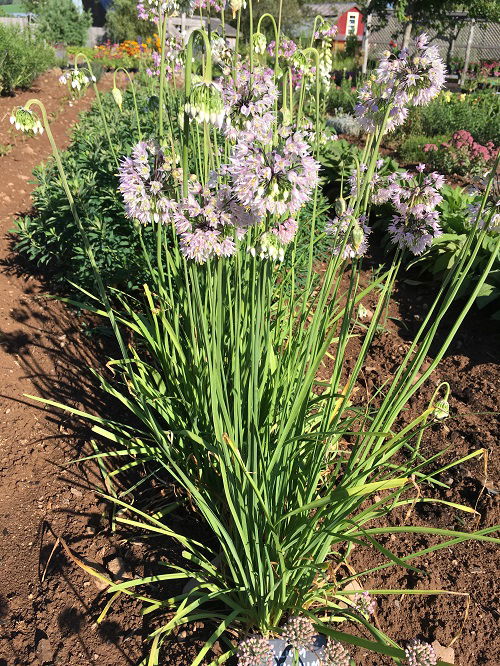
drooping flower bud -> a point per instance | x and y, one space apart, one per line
259 43
26 121
118 97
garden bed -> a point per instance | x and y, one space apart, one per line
221 412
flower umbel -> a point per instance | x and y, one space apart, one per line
400 81
280 180
364 604
419 653
205 103
299 632
335 654
143 179
255 651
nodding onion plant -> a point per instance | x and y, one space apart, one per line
224 370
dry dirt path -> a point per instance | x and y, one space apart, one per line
46 620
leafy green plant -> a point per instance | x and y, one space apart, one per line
123 23
51 240
457 218
23 57
412 147
476 113
60 22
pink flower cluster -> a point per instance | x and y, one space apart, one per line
209 222
462 155
217 5
287 48
415 198
400 81
356 230
249 95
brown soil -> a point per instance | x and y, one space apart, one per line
48 606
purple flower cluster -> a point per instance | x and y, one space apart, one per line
217 5
250 96
335 654
364 604
174 63
286 49
489 217
355 245
143 180
209 222
399 82
326 31
419 653
280 180
153 10
415 199
299 632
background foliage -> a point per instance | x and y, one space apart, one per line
22 58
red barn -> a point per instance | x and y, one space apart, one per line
346 16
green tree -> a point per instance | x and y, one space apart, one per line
294 11
59 21
123 23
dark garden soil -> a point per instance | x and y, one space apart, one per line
48 604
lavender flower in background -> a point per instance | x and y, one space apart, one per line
489 217
419 653
154 10
174 62
358 231
216 5
364 604
143 183
279 181
299 632
286 48
335 654
400 81
255 651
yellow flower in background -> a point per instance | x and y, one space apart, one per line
447 95
463 97
236 5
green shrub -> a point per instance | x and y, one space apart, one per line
22 58
50 238
342 97
123 23
477 113
60 22
456 220
412 148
